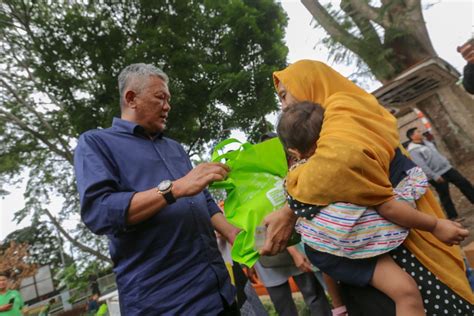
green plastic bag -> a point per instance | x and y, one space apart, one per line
254 188
102 310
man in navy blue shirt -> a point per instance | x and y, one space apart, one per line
139 188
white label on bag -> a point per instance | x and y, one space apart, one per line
276 195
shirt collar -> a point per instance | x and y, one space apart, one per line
130 127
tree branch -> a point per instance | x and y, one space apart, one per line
26 24
412 3
26 128
370 13
74 241
13 25
67 151
38 85
29 32
332 26
363 24
198 137
192 145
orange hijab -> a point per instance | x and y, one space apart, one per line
351 163
356 144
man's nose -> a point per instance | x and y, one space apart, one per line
166 106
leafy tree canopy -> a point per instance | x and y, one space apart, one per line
44 246
58 71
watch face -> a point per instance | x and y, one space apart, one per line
164 185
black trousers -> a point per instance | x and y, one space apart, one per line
454 177
313 295
229 310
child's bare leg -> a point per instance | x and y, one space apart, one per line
339 308
333 290
399 286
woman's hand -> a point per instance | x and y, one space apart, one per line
279 225
449 232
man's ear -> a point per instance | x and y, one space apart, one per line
130 96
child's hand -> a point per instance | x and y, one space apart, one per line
251 274
449 232
302 263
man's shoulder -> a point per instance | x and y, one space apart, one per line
93 139
95 134
414 146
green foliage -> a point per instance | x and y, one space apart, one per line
44 245
60 62
72 279
301 307
77 277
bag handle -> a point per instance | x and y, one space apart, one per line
215 157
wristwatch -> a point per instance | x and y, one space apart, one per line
164 188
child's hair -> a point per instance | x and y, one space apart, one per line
299 125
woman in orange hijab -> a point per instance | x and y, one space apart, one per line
352 163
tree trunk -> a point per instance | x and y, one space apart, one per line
405 42
452 115
450 110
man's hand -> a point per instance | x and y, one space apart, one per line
199 178
279 225
440 180
449 232
301 261
467 51
232 234
224 228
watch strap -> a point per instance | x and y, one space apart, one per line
169 197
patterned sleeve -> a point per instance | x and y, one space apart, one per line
300 209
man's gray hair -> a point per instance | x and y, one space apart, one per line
137 75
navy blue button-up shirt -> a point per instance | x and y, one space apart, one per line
170 263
